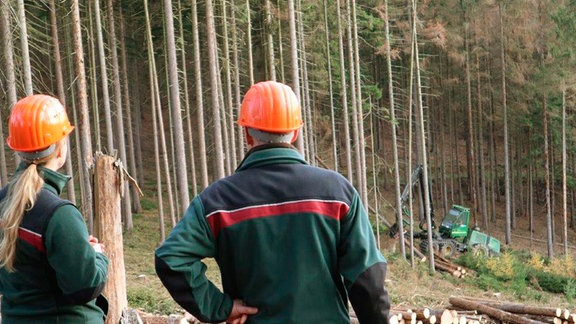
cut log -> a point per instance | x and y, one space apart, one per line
491 311
446 317
523 309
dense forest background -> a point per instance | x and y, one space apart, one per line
480 92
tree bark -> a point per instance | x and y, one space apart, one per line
176 113
490 311
108 183
83 116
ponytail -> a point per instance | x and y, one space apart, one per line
22 192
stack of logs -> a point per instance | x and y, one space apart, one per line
443 264
475 311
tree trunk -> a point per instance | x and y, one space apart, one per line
84 118
108 183
330 90
228 84
564 171
271 68
176 113
490 311
399 217
294 63
344 91
549 225
212 56
9 70
199 98
26 69
135 195
60 89
361 138
121 141
507 180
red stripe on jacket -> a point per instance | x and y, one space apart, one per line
32 238
223 218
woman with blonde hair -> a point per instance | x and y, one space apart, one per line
51 269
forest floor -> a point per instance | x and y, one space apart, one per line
408 287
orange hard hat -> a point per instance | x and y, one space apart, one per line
272 107
36 122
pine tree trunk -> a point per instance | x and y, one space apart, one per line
212 57
176 113
199 98
399 218
60 89
135 195
344 91
294 64
549 224
228 84
330 90
271 69
26 68
564 171
507 180
84 118
120 139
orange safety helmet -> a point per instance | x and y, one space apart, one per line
271 106
36 122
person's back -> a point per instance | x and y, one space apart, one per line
278 227
293 242
51 269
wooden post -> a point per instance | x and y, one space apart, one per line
108 229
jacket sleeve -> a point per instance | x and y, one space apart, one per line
179 266
80 271
363 267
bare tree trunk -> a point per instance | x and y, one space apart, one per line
354 102
60 88
104 78
212 56
307 131
93 78
549 225
84 117
330 90
9 70
507 180
393 121
117 86
182 168
135 195
229 98
481 175
271 69
470 129
361 139
159 128
420 113
108 228
27 70
237 95
294 63
199 97
564 171
345 122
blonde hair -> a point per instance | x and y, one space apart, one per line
21 196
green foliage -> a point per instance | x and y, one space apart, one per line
549 281
570 290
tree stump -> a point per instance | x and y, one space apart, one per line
108 229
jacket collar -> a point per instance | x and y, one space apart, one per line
53 180
271 154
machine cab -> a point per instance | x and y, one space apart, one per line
455 223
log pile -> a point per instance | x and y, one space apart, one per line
478 311
443 264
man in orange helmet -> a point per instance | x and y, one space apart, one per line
293 242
